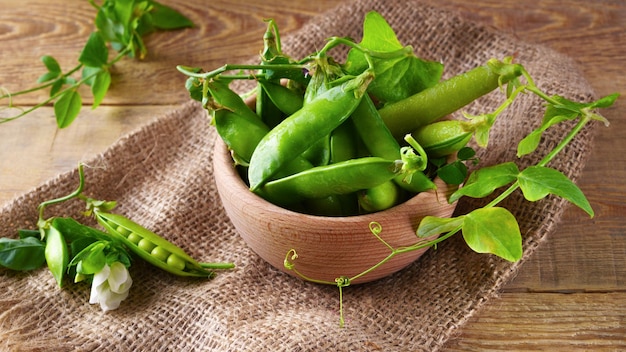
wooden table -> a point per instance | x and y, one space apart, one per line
572 293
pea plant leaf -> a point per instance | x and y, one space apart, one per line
493 230
396 78
22 254
54 70
165 17
453 173
483 182
100 86
432 225
95 53
560 110
67 107
536 182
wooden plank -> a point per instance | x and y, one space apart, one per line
547 322
34 150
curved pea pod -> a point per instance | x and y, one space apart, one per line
443 138
380 142
334 179
56 254
446 97
287 100
296 133
240 133
240 128
155 249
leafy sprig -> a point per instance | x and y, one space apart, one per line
120 24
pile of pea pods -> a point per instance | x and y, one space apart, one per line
327 138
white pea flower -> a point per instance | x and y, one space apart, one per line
110 286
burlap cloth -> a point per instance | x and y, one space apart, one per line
161 176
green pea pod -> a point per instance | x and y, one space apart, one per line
287 100
240 128
341 178
319 152
343 143
373 131
296 133
446 97
443 138
240 133
155 249
56 253
380 142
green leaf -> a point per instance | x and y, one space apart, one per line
432 225
89 74
493 230
92 259
48 76
165 17
21 254
466 153
100 87
95 53
396 78
536 182
529 143
56 86
67 107
453 173
483 182
51 64
56 254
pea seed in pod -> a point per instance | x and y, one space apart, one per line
175 262
443 137
134 238
145 245
160 253
123 231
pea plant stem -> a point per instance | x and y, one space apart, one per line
76 193
74 86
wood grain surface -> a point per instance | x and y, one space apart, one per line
571 296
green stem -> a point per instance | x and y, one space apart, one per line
119 56
76 193
43 86
217 265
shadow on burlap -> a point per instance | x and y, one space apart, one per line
161 176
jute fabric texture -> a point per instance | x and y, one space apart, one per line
161 176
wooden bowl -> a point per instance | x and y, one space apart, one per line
327 247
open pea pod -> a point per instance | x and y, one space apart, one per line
153 248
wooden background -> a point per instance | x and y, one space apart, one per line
572 293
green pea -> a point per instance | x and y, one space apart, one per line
160 253
176 262
124 232
134 238
145 245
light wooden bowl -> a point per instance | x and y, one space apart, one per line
327 247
